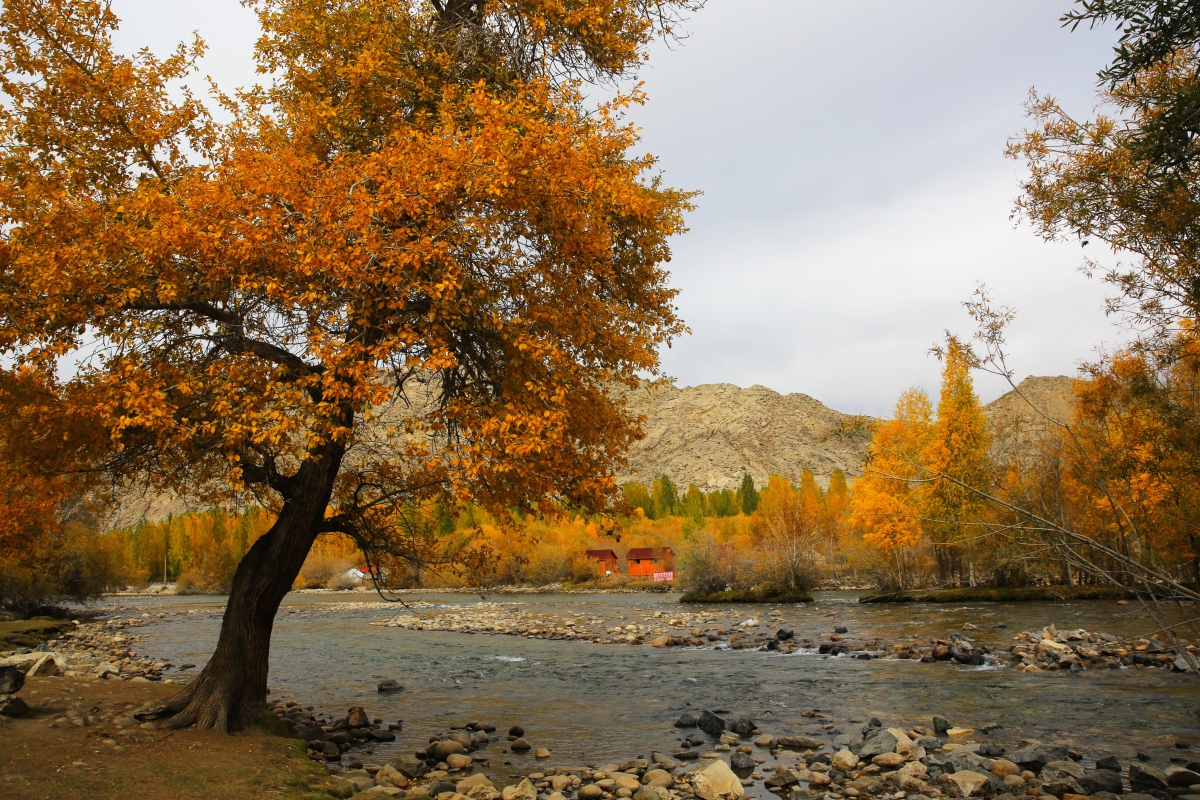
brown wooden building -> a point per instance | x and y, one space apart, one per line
645 561
606 559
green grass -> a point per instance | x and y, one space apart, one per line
998 595
31 632
748 596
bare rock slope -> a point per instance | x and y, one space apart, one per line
1023 418
710 435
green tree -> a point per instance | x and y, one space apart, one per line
722 503
693 503
748 495
666 498
635 495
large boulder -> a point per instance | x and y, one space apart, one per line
1180 776
411 767
1062 777
1144 778
390 776
44 667
743 726
884 740
1059 770
660 777
462 738
964 783
357 718
714 780
1102 780
446 747
742 762
1036 756
11 680
711 724
521 791
624 780
844 760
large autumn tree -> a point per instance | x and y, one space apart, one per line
408 265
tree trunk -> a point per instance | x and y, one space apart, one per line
231 691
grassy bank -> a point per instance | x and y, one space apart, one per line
30 632
997 595
95 761
748 596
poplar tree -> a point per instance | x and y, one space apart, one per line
748 495
959 450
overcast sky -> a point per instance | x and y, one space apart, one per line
855 190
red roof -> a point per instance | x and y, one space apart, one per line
649 552
601 555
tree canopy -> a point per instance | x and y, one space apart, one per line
408 264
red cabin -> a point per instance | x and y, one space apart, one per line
646 561
606 559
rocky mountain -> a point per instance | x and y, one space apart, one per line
710 435
1022 417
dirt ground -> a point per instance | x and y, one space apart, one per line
47 755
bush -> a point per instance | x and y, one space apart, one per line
323 572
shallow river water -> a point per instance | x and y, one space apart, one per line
597 703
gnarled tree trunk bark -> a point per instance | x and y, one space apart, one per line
231 691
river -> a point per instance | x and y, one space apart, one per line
597 703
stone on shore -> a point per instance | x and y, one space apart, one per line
715 781
390 776
658 777
11 680
357 718
964 783
1143 778
521 791
478 779
458 761
590 792
844 759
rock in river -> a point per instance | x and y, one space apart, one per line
800 743
357 718
711 724
743 726
685 721
741 762
387 686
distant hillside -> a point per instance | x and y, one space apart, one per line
710 435
1022 417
